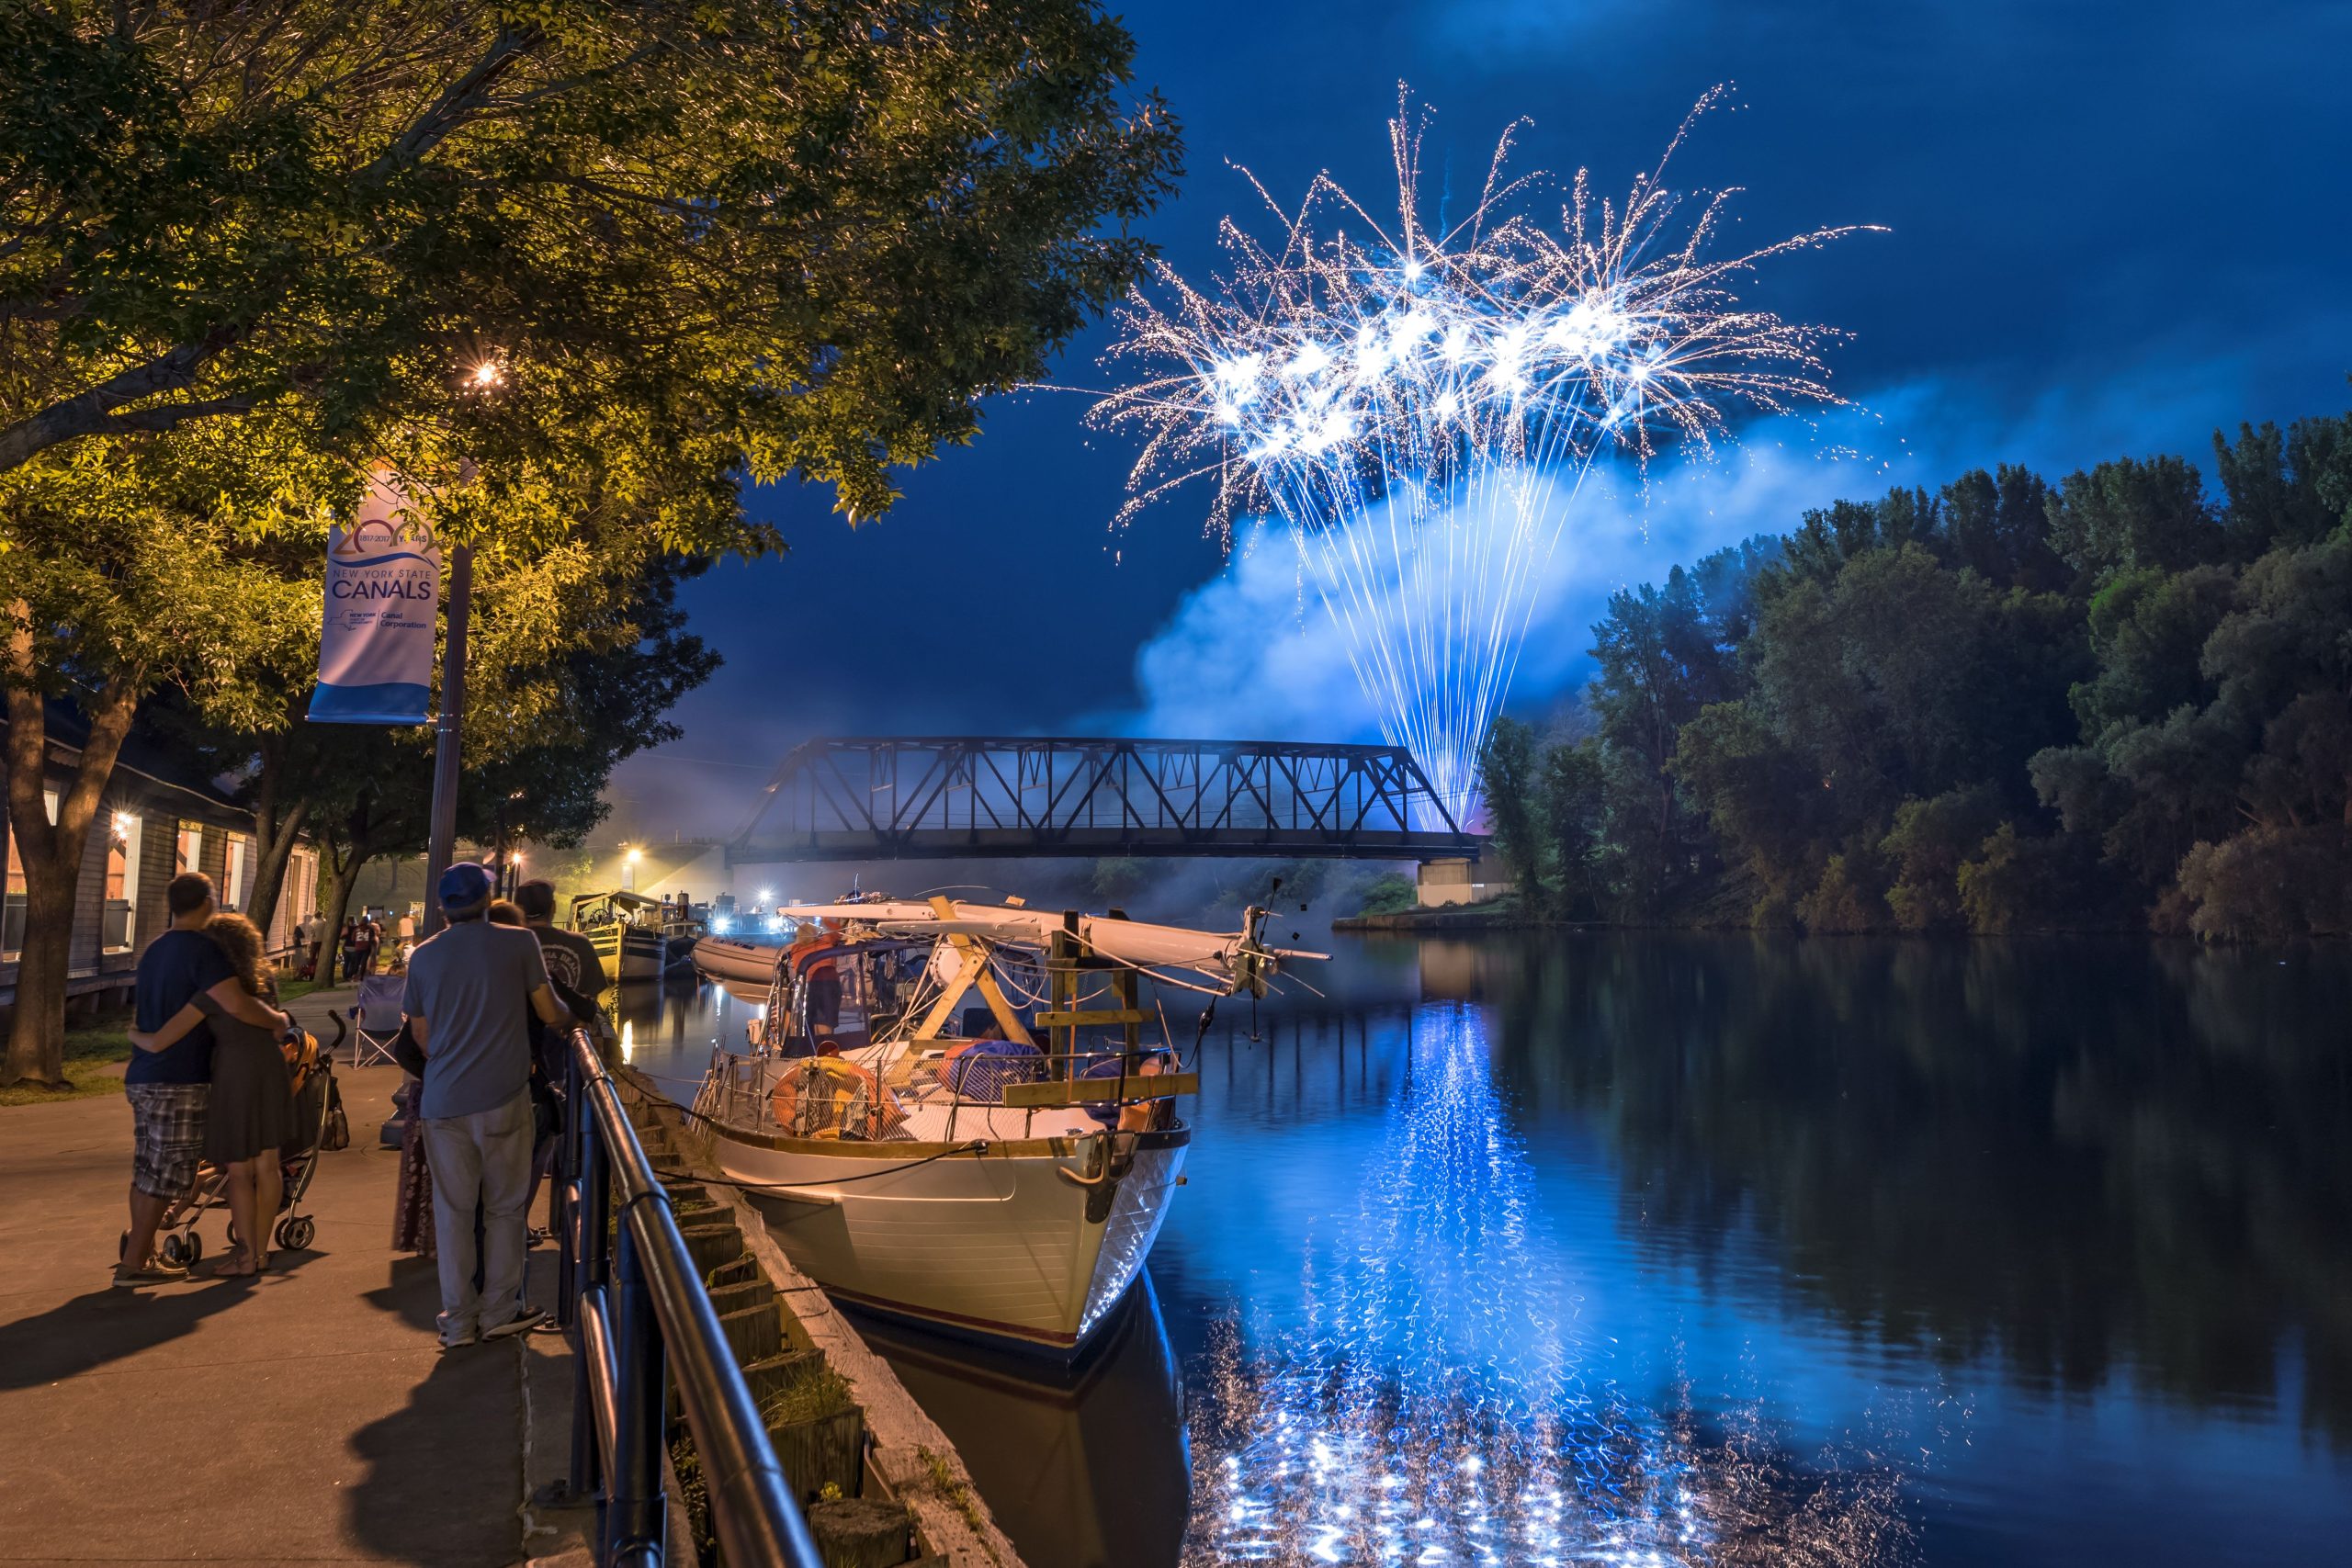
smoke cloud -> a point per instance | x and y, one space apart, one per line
1253 654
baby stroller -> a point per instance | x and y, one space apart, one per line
321 1125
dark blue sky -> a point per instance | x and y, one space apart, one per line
2113 227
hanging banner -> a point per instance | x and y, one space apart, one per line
383 602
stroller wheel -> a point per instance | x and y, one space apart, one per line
121 1247
233 1238
294 1235
175 1251
194 1249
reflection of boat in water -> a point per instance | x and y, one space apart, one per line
938 1162
1087 1466
620 925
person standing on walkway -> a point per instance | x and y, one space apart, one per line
573 961
470 994
250 1114
170 1088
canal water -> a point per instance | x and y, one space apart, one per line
1690 1249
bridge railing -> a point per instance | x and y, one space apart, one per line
638 1315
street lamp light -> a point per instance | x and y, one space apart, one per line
483 378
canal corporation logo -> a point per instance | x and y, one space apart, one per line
386 528
376 538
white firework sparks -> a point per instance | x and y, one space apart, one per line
1420 404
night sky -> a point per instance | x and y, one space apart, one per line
2113 228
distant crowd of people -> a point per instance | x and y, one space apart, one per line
487 1004
359 947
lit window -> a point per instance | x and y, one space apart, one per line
12 915
233 880
191 846
117 921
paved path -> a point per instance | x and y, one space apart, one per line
308 1417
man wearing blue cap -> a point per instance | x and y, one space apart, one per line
471 992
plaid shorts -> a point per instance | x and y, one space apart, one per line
168 1136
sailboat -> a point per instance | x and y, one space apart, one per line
958 1113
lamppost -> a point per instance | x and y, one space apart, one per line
487 375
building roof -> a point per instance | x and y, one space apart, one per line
142 756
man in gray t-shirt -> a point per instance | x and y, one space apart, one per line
471 995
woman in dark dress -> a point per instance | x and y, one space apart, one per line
251 1112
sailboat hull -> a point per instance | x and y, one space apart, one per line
630 953
997 1243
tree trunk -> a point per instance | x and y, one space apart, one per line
274 832
37 1035
338 902
50 853
343 861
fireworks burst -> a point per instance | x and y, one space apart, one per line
1421 403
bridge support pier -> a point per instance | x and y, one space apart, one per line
1459 879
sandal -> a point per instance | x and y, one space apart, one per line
227 1267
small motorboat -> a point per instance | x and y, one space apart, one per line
998 1170
740 961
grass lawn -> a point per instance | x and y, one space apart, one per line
89 1052
92 1048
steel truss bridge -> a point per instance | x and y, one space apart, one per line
973 797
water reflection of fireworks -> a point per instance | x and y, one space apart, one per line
1436 1406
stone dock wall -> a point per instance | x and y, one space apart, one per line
882 1485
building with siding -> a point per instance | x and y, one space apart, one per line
155 821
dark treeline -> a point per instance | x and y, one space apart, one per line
2005 705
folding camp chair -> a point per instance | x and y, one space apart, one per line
376 1019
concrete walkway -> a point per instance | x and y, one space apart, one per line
307 1417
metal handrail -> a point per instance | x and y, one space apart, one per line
639 1318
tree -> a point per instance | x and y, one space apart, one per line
1574 805
119 574
2131 514
1997 526
2293 488
1928 844
581 654
808 236
686 244
1663 655
1509 766
1759 799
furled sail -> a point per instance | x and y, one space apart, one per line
1235 957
